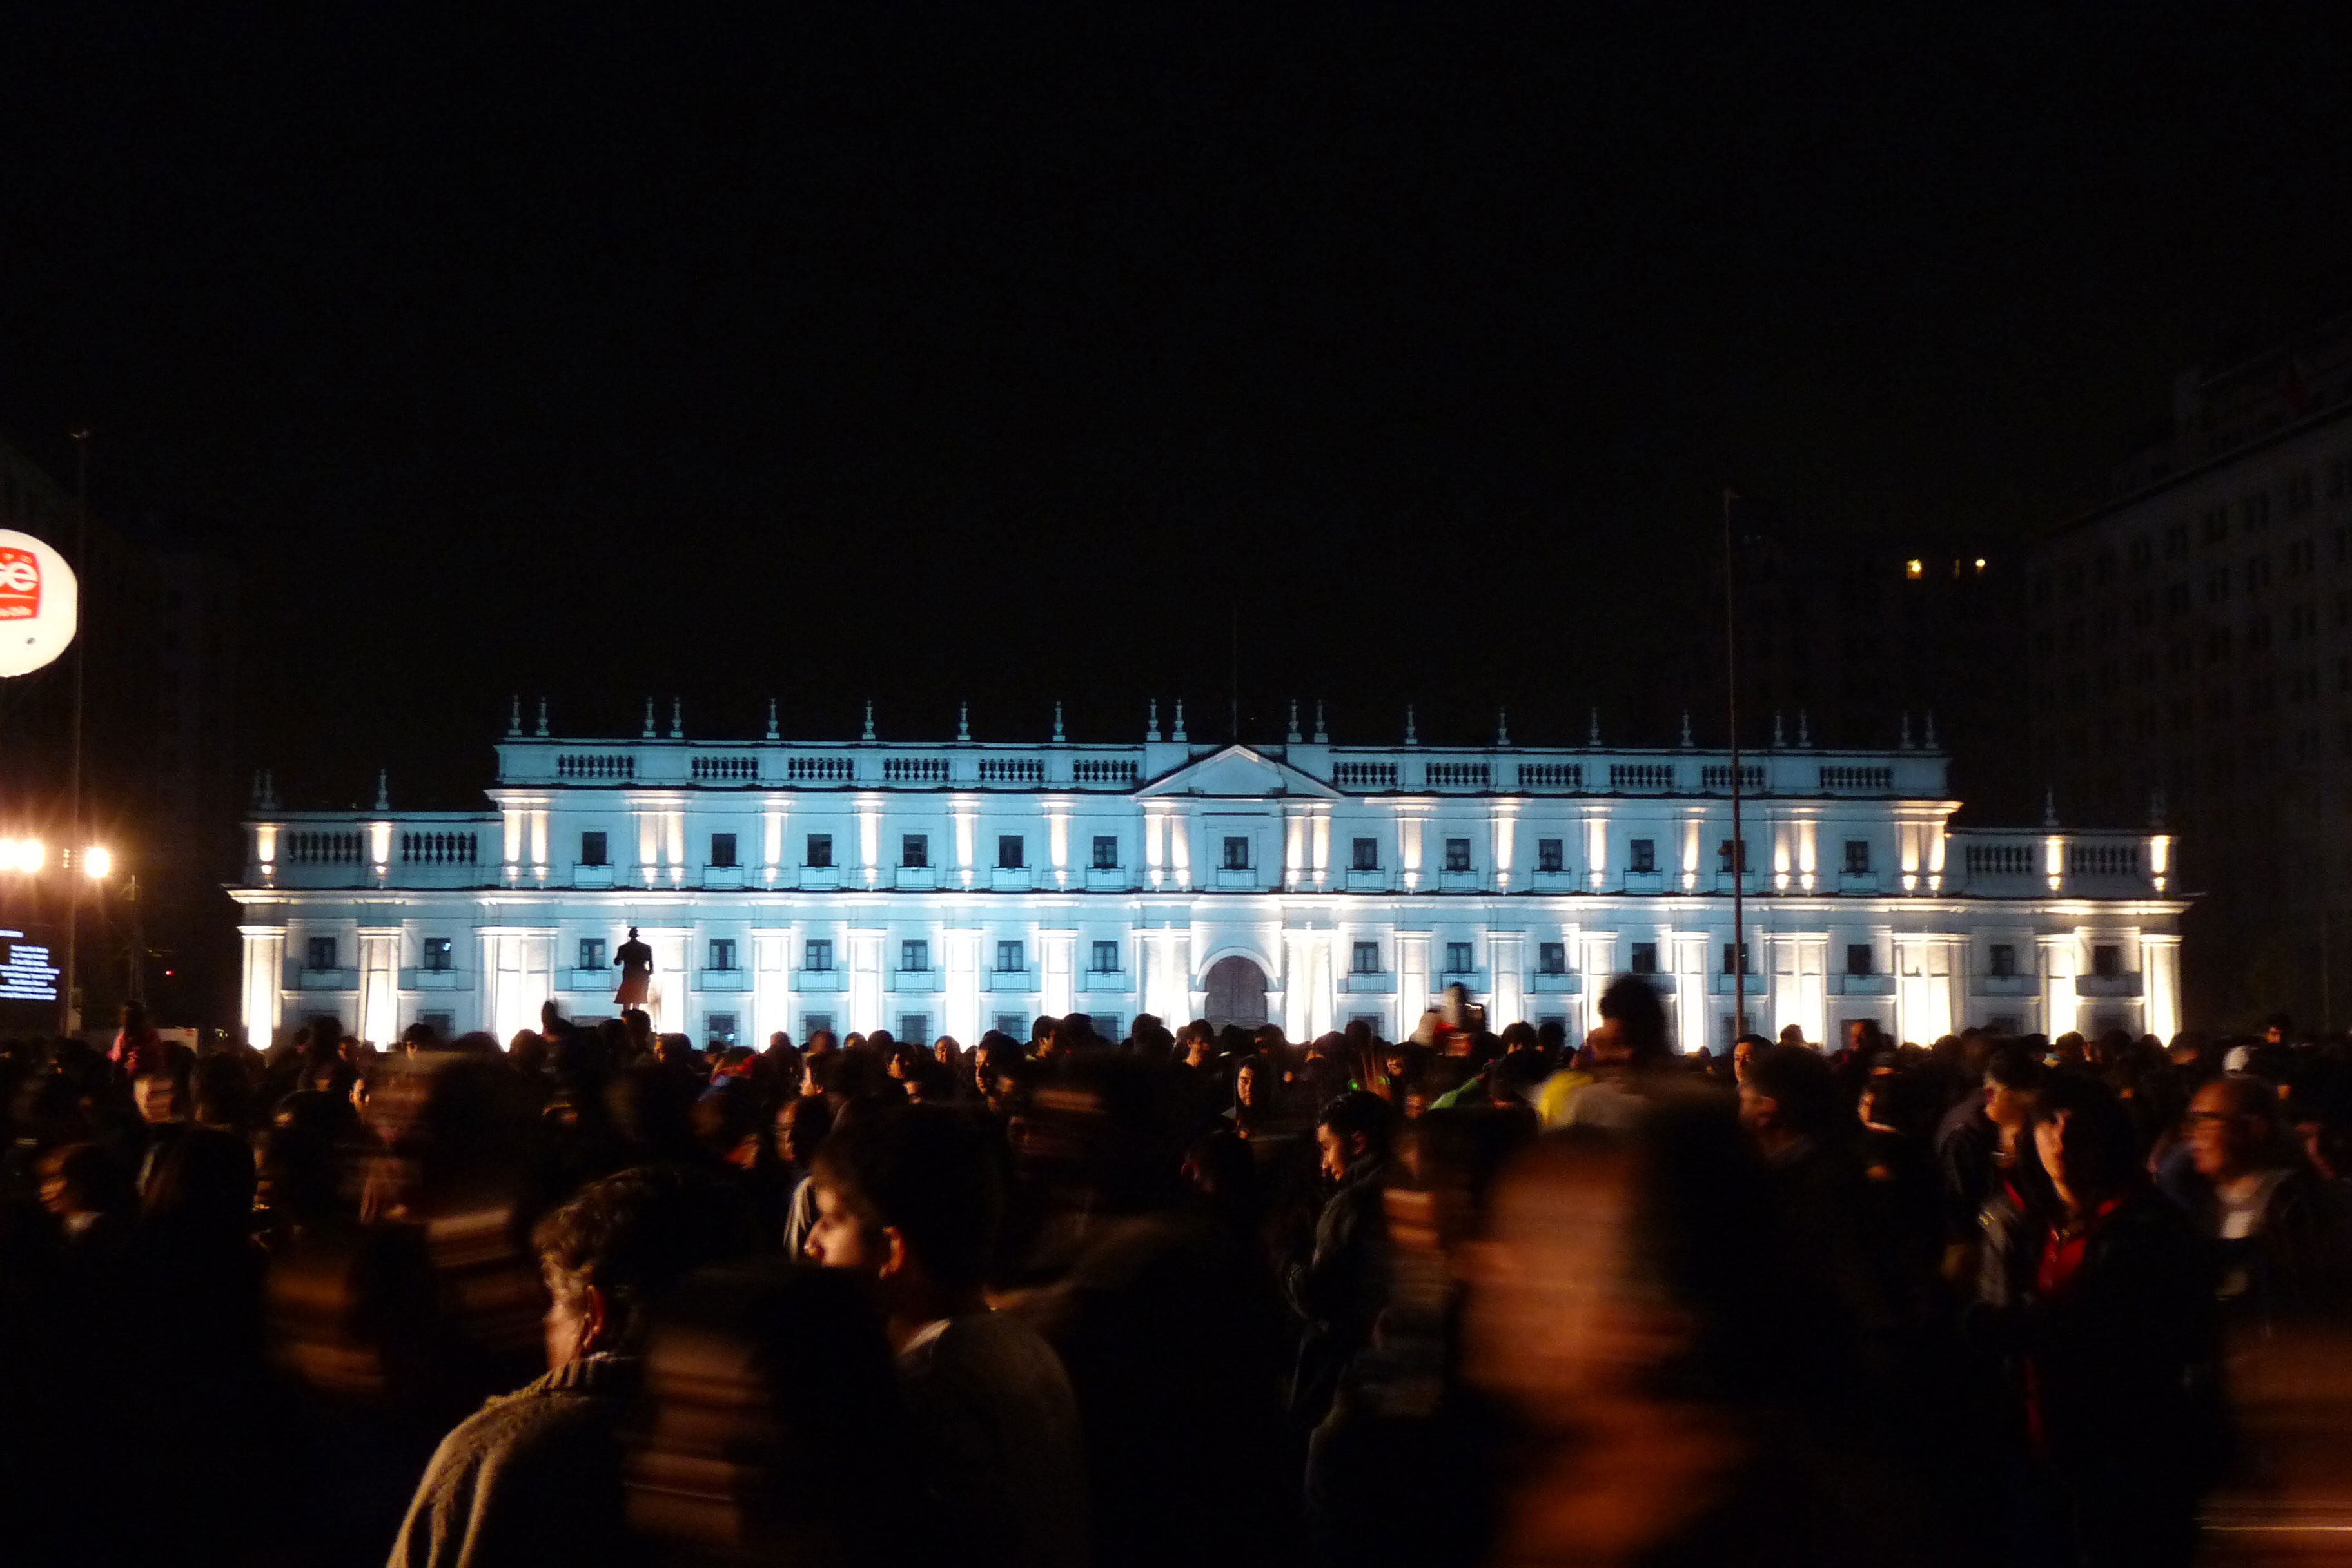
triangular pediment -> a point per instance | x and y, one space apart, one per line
1238 772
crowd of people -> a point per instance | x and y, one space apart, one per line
1203 1295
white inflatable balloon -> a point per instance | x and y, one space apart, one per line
39 604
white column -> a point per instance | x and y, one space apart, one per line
1506 993
1413 992
1693 1007
866 981
379 1019
771 854
2061 1011
772 979
2159 963
265 982
962 1005
1297 966
1056 983
1507 820
869 842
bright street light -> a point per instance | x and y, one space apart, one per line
97 862
20 855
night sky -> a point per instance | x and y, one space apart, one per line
1011 355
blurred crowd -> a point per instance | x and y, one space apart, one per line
1203 1295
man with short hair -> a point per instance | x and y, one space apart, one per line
909 1198
1342 1284
535 1476
2279 1239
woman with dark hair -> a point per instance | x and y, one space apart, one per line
775 1430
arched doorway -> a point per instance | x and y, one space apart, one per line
1236 992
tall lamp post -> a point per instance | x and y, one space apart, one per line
70 996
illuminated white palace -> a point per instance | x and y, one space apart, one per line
957 887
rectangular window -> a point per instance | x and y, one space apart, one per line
1012 852
723 850
1106 852
1550 855
815 1023
592 851
718 1029
2107 961
816 957
443 1024
1367 959
915 1027
820 850
722 953
1366 855
1458 958
1642 855
1736 952
322 953
435 954
1646 958
2000 961
1857 856
915 956
1457 854
915 851
1551 958
1011 957
1723 855
1857 958
592 953
1014 1025
1237 857
1106 958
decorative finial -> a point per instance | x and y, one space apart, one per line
543 716
649 717
1322 734
1502 727
1804 735
1778 740
677 719
259 794
869 720
2049 806
1905 741
1411 737
1592 728
774 733
1058 737
1291 735
514 714
1931 729
1178 735
963 721
1686 734
2156 806
269 788
382 791
1151 726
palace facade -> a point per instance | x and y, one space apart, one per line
961 885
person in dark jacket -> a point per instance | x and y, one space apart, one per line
1342 1284
2279 1237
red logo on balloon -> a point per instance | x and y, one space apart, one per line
20 584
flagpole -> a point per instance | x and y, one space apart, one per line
1738 840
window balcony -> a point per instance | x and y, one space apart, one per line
1358 984
1473 981
1861 986
2006 985
1460 881
1373 881
592 876
605 979
820 980
1755 883
916 878
1010 880
434 979
820 879
1243 880
1556 881
721 877
722 980
1646 881
917 982
1106 982
1555 984
325 980
1864 882
2107 985
1721 984
1108 880
1009 982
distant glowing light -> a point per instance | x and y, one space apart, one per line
1981 562
97 862
1915 567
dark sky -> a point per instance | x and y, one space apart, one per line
921 354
